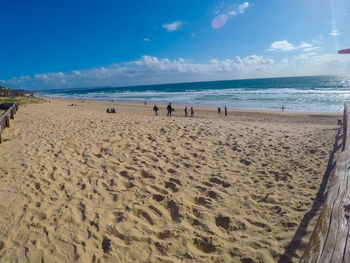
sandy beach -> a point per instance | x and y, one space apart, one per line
80 185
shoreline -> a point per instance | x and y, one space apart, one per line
203 108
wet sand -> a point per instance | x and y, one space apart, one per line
80 185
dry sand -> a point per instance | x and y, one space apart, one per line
80 185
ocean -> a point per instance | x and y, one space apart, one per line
302 94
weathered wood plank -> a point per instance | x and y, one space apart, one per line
330 241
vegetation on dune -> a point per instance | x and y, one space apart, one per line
22 100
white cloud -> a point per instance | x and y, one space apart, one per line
283 45
243 7
334 33
305 45
146 40
232 13
308 49
173 26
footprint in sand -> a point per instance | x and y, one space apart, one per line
172 186
106 245
146 174
218 181
222 221
204 244
174 211
213 195
2 245
158 198
203 201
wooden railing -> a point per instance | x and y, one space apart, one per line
10 111
330 241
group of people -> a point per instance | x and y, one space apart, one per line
219 111
111 110
170 109
191 110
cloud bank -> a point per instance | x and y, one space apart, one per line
152 70
146 70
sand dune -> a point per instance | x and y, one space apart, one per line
80 185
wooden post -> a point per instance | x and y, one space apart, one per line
345 124
7 121
12 114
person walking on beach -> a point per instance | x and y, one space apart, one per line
186 114
170 109
225 111
155 109
192 112
219 110
282 107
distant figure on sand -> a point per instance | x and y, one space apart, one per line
111 110
145 103
282 107
170 109
225 111
186 114
192 112
219 110
155 109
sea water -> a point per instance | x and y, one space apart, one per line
305 94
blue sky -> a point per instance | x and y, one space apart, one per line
60 44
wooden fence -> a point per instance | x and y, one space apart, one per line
10 111
330 241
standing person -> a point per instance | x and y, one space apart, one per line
282 107
219 110
170 109
192 112
225 111
155 109
186 114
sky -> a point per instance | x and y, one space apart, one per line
88 43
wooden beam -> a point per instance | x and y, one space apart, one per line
330 241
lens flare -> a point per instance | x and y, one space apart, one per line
219 21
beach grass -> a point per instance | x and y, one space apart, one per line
23 100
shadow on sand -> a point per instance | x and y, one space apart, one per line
296 243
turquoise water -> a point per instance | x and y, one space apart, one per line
307 94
